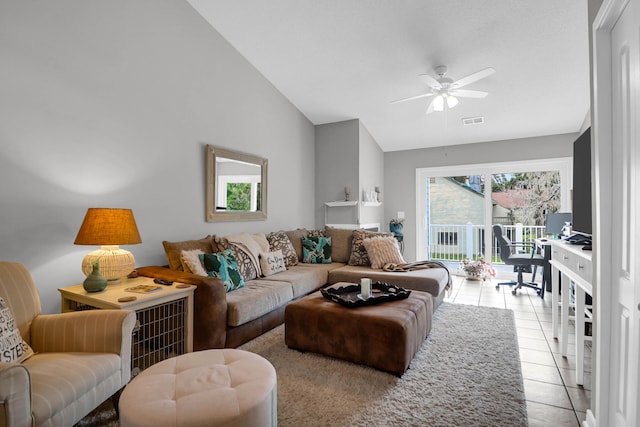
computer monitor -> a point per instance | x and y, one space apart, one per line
555 221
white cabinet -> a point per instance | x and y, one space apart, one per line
574 265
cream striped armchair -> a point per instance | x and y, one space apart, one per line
80 360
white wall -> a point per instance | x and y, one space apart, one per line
400 170
110 104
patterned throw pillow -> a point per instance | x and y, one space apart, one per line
13 349
272 263
316 250
246 267
382 251
223 265
321 232
358 251
278 240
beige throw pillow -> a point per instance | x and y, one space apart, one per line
341 242
358 251
13 349
272 263
383 250
261 240
191 262
174 250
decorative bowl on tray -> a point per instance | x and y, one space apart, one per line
350 295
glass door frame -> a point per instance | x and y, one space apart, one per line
563 165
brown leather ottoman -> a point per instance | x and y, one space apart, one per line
385 336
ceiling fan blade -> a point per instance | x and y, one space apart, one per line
430 81
473 78
430 108
465 93
411 98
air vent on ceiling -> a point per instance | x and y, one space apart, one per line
473 121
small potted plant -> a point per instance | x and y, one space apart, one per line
395 225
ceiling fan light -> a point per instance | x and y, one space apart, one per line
438 103
452 101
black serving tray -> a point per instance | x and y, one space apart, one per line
350 296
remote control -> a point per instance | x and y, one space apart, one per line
163 282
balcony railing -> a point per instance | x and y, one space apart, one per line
455 242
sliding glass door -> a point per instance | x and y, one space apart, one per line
456 217
457 205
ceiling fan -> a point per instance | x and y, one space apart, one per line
446 90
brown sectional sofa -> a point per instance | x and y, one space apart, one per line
230 319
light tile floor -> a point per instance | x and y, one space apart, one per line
553 397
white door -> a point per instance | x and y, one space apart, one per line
617 131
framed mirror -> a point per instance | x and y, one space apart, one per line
236 186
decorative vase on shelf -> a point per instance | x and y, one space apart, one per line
95 281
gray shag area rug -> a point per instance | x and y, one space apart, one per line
467 373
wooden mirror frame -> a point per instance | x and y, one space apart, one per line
213 215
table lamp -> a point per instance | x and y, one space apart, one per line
109 228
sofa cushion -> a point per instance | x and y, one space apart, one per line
295 237
341 241
304 278
272 263
223 265
279 240
432 280
358 251
173 250
59 380
383 250
12 347
256 299
316 250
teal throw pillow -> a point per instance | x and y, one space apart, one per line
224 266
316 250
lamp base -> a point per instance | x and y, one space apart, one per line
114 262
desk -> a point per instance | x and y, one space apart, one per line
544 245
546 273
574 265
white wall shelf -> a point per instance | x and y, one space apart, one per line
341 203
369 226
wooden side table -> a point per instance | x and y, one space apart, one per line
164 318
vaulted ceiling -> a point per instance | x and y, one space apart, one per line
348 59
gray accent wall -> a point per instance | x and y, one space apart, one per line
400 170
110 104
371 163
336 168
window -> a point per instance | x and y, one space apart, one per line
239 193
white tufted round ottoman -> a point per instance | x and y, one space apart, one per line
207 388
